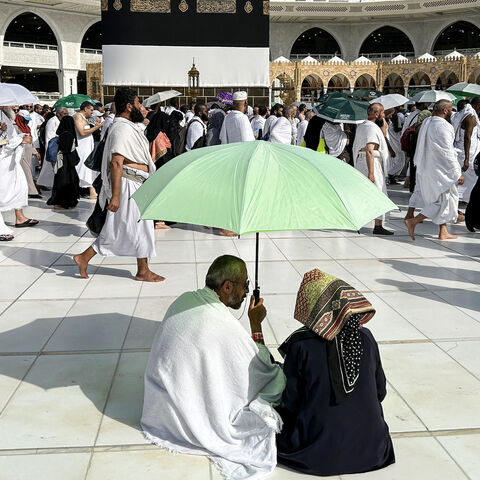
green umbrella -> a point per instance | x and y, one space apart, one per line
328 96
73 101
343 110
465 89
253 187
366 93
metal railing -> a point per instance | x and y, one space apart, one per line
379 57
463 51
90 51
35 46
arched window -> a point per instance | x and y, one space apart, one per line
365 81
338 82
30 28
460 35
92 39
386 40
315 42
393 84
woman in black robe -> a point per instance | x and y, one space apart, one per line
66 191
331 406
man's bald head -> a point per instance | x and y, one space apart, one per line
375 112
443 109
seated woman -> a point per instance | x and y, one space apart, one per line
333 418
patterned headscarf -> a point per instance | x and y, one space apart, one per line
335 311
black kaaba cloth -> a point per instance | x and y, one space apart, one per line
153 42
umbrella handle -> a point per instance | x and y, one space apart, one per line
256 292
256 295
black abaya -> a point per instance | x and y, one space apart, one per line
319 437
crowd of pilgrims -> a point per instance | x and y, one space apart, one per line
210 387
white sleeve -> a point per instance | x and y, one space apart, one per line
246 131
195 131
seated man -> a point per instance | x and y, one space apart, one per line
209 386
333 418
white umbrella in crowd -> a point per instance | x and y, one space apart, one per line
390 101
14 94
432 96
160 97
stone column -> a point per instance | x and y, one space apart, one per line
67 82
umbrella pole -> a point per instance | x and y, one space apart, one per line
256 292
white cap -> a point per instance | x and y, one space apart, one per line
96 113
241 95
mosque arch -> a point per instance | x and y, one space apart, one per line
446 79
393 84
312 87
338 82
30 27
419 79
92 38
316 41
365 81
474 77
458 35
386 39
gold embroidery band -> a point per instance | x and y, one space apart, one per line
266 7
150 6
216 6
104 5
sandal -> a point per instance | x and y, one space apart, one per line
27 223
6 237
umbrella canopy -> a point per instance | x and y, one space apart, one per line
73 101
391 101
343 110
160 97
14 94
366 93
431 96
465 89
259 187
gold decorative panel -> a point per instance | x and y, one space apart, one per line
104 5
248 7
117 5
266 7
150 6
216 6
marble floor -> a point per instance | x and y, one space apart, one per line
73 351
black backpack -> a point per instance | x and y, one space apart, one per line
180 141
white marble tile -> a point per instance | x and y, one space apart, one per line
466 353
12 370
431 382
64 396
289 234
464 267
179 278
93 325
416 458
37 254
209 250
79 247
267 251
58 283
468 301
275 277
177 232
121 418
280 473
148 465
464 244
7 249
174 252
280 310
19 279
301 249
149 312
432 315
342 248
381 247
465 451
60 466
112 281
27 325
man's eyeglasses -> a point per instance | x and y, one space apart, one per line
246 285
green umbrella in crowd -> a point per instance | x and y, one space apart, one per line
343 110
73 101
253 187
366 93
465 89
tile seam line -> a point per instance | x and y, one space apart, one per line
452 458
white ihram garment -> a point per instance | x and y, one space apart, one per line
470 176
13 183
258 123
283 131
397 163
210 389
438 170
47 174
34 124
370 132
301 129
124 234
236 128
84 149
335 138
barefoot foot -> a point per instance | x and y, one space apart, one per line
58 207
149 276
162 226
82 265
446 236
227 233
410 223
